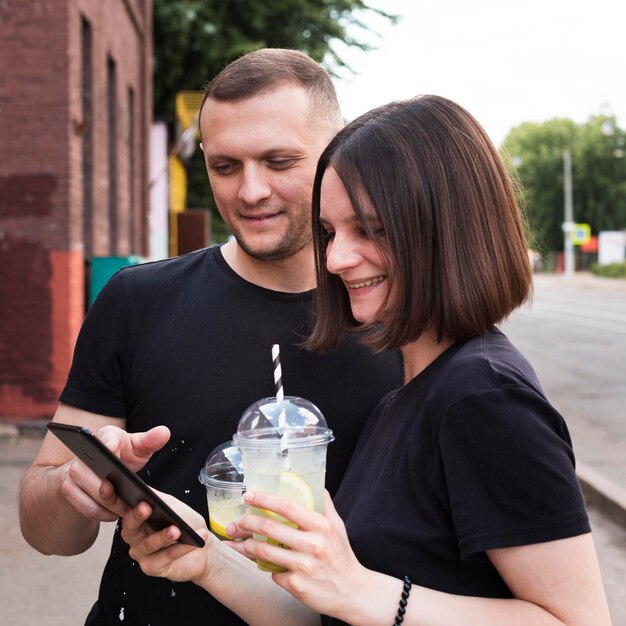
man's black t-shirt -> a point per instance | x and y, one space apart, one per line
187 343
467 457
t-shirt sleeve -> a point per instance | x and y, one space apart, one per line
95 380
510 471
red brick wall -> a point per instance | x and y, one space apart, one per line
121 31
42 265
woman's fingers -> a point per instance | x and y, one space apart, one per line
158 551
235 531
145 543
141 539
334 519
277 553
134 519
238 546
279 507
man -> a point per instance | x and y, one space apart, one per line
186 342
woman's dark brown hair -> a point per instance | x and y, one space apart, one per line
454 237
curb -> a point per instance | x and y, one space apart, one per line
8 432
602 493
16 429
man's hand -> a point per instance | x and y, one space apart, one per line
134 449
81 487
60 504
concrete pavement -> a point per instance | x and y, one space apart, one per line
38 589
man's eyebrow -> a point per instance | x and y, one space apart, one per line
284 152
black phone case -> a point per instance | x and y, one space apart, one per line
128 486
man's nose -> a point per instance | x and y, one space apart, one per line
254 186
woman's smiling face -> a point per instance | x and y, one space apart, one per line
351 254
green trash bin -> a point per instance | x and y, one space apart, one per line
103 267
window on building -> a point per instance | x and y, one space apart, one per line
86 80
112 110
132 213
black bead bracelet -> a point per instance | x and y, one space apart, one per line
406 590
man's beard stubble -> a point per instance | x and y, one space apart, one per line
297 237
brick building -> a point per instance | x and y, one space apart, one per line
75 115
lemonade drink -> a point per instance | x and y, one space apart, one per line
302 488
224 512
222 476
283 451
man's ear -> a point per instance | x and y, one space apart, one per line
201 147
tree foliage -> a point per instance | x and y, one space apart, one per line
598 173
195 39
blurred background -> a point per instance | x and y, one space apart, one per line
100 164
100 168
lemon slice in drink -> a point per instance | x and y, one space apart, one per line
295 489
218 526
221 516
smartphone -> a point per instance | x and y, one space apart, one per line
128 486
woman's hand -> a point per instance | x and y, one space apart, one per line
158 553
321 568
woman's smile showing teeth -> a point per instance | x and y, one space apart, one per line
370 282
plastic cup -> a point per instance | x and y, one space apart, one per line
283 447
223 478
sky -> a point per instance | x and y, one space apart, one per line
506 61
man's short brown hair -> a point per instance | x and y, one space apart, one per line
269 68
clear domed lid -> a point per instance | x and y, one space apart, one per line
293 421
223 465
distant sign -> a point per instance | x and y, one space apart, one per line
591 247
611 247
581 234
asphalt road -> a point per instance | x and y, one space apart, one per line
574 334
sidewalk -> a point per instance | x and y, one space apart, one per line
600 489
602 493
602 474
38 589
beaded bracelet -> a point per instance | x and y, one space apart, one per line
406 590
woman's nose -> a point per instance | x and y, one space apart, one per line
254 186
341 254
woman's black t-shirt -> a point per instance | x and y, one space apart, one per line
468 456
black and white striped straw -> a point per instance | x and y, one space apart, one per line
278 374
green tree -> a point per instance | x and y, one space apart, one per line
195 39
536 151
598 172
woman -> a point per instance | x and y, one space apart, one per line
461 499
